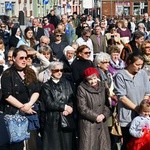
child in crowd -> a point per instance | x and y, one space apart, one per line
140 128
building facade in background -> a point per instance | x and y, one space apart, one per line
40 8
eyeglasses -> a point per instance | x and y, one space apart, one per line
87 36
147 47
44 43
86 53
45 19
58 35
57 70
22 58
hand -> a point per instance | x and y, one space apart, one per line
69 109
26 107
30 111
100 118
65 113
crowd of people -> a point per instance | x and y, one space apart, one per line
80 67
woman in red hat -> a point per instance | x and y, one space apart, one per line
93 113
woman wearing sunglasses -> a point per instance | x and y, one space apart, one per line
58 45
20 90
80 63
56 97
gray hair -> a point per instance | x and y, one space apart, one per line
53 65
101 57
45 49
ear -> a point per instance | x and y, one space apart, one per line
14 59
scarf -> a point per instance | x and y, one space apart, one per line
118 66
147 59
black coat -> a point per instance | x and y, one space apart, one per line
78 66
54 96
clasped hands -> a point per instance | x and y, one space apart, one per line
68 110
27 108
100 118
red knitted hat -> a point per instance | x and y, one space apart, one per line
90 71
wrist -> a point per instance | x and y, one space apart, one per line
21 107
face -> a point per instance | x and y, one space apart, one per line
70 54
46 21
92 80
86 36
10 57
35 22
20 60
29 60
85 54
58 37
47 55
1 45
104 65
140 40
136 66
147 49
18 33
115 56
3 27
98 30
145 113
29 34
44 42
57 72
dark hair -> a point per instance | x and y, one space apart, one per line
137 35
80 49
32 39
133 57
145 105
30 75
17 50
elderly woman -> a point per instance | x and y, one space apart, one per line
57 97
67 59
116 63
93 113
131 87
44 75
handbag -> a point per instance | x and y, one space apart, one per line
115 129
67 123
17 127
3 131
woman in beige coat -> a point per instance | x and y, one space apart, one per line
93 113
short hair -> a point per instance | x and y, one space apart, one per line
101 57
53 64
144 45
45 37
114 49
45 49
137 35
57 31
85 31
133 57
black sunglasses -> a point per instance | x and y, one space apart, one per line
57 70
58 35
